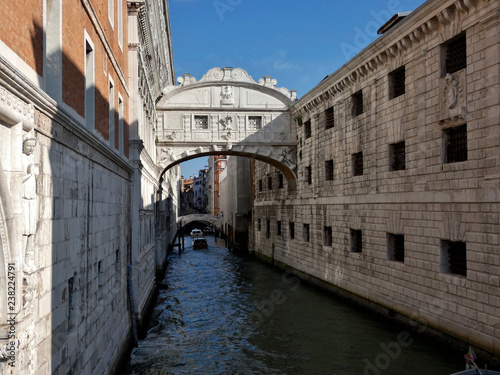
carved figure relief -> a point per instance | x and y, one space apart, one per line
452 91
227 95
166 156
227 123
29 201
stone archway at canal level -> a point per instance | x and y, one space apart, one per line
209 219
227 113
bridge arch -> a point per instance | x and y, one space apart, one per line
209 219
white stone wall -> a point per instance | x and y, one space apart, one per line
427 202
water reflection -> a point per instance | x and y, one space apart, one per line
223 314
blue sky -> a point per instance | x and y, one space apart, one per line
296 42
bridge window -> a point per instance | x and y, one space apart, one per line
260 185
200 122
268 228
291 229
329 118
254 122
397 156
305 233
356 241
258 224
357 103
396 247
454 257
327 236
329 170
71 304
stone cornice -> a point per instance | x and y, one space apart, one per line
102 36
420 25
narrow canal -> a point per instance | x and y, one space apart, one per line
224 314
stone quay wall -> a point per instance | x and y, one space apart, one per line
398 195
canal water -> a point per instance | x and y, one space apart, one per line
224 314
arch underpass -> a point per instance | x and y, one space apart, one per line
209 219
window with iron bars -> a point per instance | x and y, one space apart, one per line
278 228
456 54
357 164
397 158
305 233
327 236
200 122
309 175
307 129
270 183
254 122
291 229
329 118
329 170
268 228
356 241
357 103
280 180
397 83
454 257
455 141
396 247
260 185
258 225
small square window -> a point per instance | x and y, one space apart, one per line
357 164
396 247
307 129
397 83
305 233
309 174
329 118
357 103
280 180
270 183
454 257
278 228
254 122
456 54
327 236
329 170
356 241
397 158
200 122
291 229
455 143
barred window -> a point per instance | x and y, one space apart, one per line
280 180
356 241
397 158
357 164
270 183
309 174
456 54
327 236
260 185
278 228
200 122
397 83
329 118
454 257
455 141
357 101
329 170
307 129
254 122
291 229
268 228
305 233
396 247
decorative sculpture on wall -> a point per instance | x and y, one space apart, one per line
227 95
452 91
29 201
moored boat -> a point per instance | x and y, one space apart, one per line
200 243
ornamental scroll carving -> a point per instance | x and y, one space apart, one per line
453 96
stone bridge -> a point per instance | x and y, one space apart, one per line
209 219
226 112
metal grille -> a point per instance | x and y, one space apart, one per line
457 258
357 164
307 128
356 241
327 236
260 185
291 228
398 157
329 170
398 79
397 247
456 144
201 122
456 55
309 175
268 228
258 225
278 228
357 107
329 118
270 183
254 122
305 233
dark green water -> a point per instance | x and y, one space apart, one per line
224 314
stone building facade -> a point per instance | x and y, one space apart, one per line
69 181
397 200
